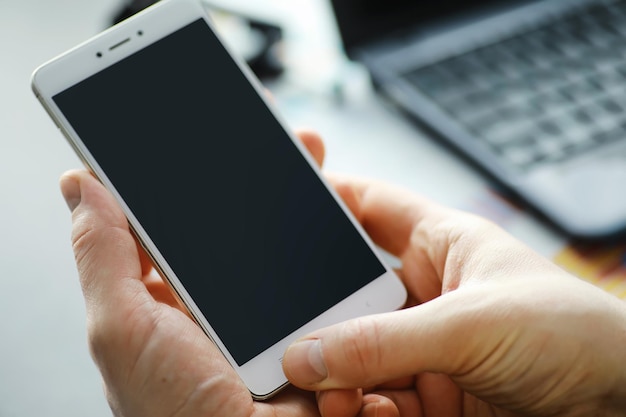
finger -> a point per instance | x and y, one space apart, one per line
144 349
397 384
432 388
405 225
340 403
405 403
313 142
146 262
155 284
161 292
375 405
388 213
442 336
290 402
110 271
348 194
105 250
439 247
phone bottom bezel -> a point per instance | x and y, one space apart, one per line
263 375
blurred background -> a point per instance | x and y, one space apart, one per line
45 368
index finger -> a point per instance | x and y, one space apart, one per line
440 247
388 213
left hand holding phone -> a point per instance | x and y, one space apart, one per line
155 361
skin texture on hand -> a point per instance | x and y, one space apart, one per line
155 361
492 327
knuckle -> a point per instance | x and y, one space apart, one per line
82 237
83 246
111 331
90 244
100 335
361 346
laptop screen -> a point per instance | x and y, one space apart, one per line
361 22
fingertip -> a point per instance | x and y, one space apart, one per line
375 405
348 194
303 363
70 189
314 144
81 188
340 403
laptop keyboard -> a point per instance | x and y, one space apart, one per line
543 96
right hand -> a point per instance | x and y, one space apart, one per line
492 329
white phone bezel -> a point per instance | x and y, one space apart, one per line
263 374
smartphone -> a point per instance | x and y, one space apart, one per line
228 204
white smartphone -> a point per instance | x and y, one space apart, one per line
232 210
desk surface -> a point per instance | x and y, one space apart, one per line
44 359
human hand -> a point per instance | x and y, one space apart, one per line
155 361
492 327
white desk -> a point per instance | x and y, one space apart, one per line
45 366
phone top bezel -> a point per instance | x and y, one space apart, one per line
81 62
263 374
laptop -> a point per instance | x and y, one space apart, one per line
532 92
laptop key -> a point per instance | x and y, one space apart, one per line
542 96
521 153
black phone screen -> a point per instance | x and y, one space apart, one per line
231 204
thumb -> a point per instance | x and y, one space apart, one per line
439 336
105 250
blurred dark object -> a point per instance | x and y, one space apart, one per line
262 56
130 8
